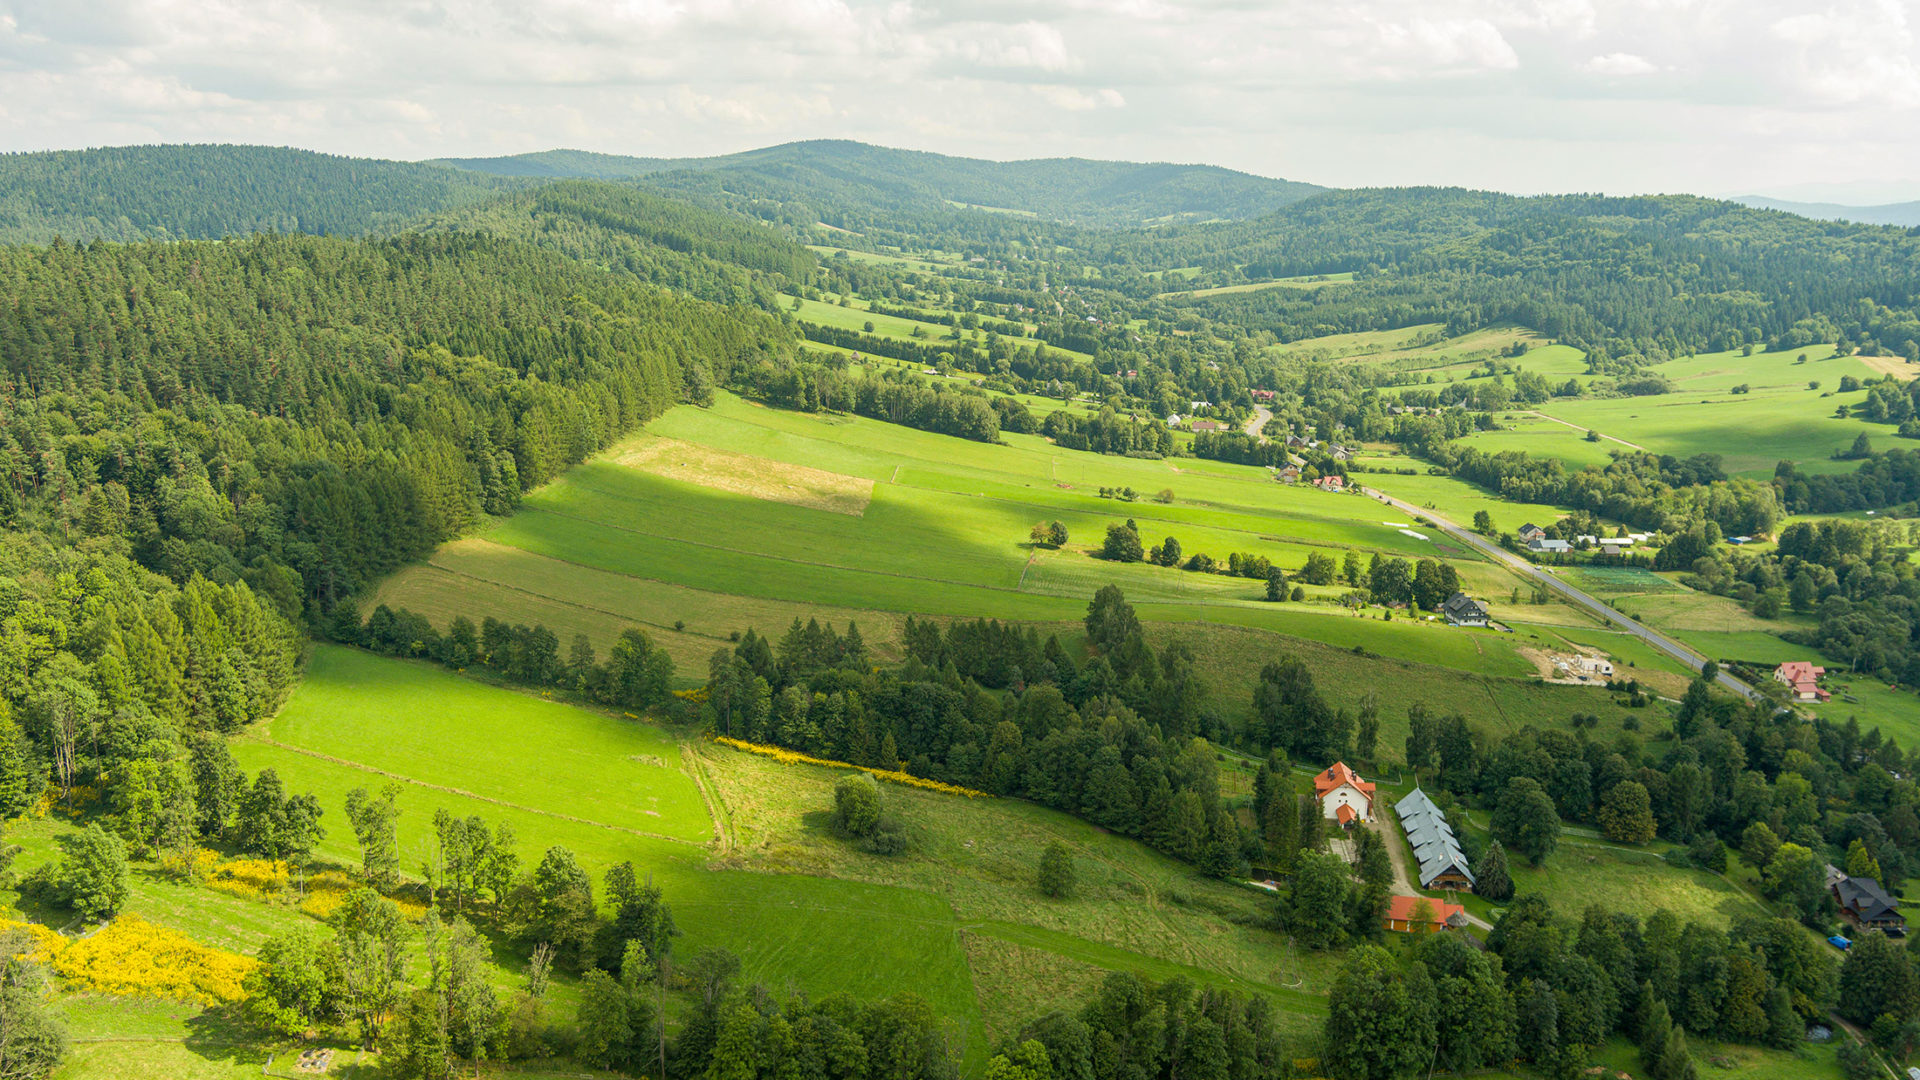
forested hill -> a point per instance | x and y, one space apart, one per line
306 413
837 175
714 255
1649 276
207 192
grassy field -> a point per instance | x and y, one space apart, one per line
1780 416
673 537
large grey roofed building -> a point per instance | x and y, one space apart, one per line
1442 864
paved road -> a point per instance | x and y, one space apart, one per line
1528 570
1261 414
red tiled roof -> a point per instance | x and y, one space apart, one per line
1400 908
1337 774
1343 813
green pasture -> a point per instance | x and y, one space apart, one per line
1458 501
1309 282
623 774
1778 418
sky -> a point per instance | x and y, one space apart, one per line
1794 99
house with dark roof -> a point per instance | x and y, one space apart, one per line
1530 531
1442 864
1866 905
1463 610
1543 546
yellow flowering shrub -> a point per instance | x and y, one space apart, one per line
795 757
251 879
132 956
329 888
697 695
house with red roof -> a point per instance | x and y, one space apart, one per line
1343 796
1803 678
1419 915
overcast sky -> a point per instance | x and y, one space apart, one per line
1717 96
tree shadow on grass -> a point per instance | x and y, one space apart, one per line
220 1034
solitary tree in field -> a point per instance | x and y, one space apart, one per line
1057 877
1123 545
856 805
1483 523
1057 534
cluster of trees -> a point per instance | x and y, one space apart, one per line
637 674
1132 1029
1660 493
1853 575
1107 432
304 414
1551 990
355 976
898 397
1112 739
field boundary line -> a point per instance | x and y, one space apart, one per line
621 615
465 794
1577 427
722 821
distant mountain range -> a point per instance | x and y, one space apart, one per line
1905 214
1100 193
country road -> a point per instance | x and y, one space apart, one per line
1528 570
1261 414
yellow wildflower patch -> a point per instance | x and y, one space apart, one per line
697 695
329 888
251 879
132 956
795 757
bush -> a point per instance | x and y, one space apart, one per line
1057 877
857 805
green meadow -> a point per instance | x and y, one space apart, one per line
1779 416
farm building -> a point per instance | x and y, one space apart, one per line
1404 915
1343 796
1866 905
1206 425
1803 678
1463 610
1442 864
1549 547
1290 474
1173 419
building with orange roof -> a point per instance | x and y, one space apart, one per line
1343 796
1803 678
1404 915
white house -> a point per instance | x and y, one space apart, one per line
1343 795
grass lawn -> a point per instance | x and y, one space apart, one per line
420 722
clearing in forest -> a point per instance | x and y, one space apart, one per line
746 474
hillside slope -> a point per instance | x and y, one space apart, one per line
1904 214
1103 193
211 191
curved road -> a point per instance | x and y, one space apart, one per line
1528 570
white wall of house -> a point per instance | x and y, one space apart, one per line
1346 795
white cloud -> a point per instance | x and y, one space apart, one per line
1530 94
1619 63
1066 97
